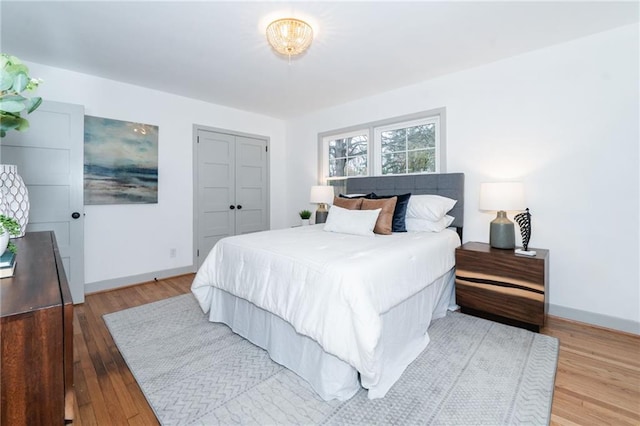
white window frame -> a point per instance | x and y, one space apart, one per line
325 152
373 131
377 143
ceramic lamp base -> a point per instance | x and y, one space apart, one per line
321 216
502 234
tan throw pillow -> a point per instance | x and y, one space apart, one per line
385 218
348 203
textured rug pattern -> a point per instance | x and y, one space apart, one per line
192 371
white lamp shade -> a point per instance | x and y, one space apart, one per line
321 194
502 196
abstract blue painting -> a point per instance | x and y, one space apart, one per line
120 162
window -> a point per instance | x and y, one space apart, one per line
409 147
401 145
348 155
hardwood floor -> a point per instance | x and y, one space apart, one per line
106 392
598 377
597 382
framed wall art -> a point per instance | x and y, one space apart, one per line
120 162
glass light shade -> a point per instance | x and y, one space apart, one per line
321 194
503 196
289 36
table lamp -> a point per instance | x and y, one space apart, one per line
502 196
322 195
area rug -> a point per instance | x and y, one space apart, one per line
193 372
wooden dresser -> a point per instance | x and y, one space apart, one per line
36 315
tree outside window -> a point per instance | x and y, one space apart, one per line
408 150
348 156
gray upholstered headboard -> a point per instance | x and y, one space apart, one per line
446 184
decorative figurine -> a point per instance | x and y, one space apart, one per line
524 222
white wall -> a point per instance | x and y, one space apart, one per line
564 120
125 243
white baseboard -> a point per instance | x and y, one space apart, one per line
601 320
135 279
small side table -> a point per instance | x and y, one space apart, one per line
501 285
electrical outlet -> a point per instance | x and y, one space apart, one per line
172 252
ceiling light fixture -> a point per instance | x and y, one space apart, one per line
289 36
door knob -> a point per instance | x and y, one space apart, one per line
239 206
75 215
232 207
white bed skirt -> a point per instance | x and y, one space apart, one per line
404 337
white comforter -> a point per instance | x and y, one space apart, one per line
331 287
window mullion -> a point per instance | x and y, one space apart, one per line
406 151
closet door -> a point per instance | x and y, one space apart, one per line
251 185
216 199
231 188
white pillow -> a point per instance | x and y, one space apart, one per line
356 222
422 225
429 207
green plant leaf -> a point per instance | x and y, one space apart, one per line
14 60
33 104
304 214
8 122
14 78
17 68
20 82
10 225
23 124
6 80
12 247
11 106
14 97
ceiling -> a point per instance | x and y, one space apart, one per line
217 51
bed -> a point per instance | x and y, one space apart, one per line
341 311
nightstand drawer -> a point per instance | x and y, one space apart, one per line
507 266
494 298
499 282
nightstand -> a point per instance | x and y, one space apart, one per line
501 285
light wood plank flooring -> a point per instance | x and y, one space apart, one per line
597 383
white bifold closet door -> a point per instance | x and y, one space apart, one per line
232 190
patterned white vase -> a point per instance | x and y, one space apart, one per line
3 202
15 195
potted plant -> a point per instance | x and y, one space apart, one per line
14 80
9 227
305 215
